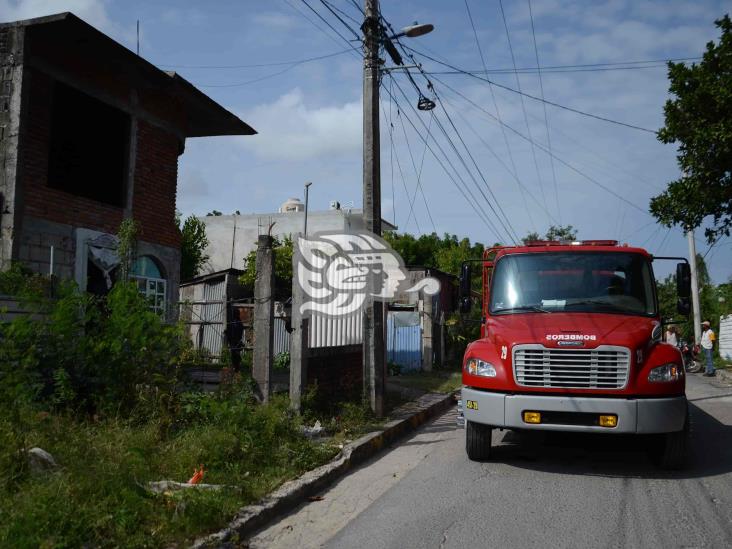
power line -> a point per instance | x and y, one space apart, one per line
552 103
481 215
563 162
327 23
523 105
321 29
459 156
261 65
332 9
417 173
498 115
546 118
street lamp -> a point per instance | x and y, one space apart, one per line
307 188
414 30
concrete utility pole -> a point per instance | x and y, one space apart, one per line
298 343
694 286
374 349
263 317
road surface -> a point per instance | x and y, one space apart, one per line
539 490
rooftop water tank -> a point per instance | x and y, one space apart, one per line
292 205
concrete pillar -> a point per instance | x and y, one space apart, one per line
442 339
299 339
427 322
263 317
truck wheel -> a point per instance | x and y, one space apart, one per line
673 450
478 441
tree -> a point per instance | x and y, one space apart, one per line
283 250
558 232
699 119
214 213
193 244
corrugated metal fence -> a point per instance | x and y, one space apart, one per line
725 337
404 339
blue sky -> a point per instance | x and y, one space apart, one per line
309 116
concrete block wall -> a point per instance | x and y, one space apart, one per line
36 239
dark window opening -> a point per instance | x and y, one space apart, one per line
89 147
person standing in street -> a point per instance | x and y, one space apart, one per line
707 343
671 336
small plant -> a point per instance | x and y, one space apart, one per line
394 369
281 362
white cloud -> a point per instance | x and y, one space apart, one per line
273 19
93 12
291 130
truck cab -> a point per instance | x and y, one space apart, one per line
570 340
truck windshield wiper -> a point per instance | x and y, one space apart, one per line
595 302
523 308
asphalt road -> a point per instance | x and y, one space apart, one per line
539 490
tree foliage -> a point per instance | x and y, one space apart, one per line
555 232
283 250
192 247
709 294
699 119
446 253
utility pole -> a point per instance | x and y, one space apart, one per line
374 349
694 286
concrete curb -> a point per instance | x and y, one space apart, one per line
724 375
406 418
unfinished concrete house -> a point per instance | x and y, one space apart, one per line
90 134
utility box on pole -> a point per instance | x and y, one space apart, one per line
263 317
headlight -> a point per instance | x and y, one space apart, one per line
479 367
664 374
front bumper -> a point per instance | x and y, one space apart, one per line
642 416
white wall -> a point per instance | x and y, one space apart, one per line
725 337
220 232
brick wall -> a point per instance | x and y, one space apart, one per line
156 176
42 201
156 172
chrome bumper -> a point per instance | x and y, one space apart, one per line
642 416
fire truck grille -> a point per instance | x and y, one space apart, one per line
605 367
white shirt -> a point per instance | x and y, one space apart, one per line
707 339
671 338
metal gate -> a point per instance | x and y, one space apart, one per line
404 340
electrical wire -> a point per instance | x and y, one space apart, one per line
523 104
260 65
552 103
471 201
498 115
507 231
418 173
355 50
327 23
560 160
332 9
546 118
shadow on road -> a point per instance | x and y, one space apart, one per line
615 455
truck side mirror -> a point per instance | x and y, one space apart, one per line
683 280
465 279
683 307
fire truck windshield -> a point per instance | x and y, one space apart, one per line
596 282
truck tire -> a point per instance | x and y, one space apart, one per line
478 441
673 448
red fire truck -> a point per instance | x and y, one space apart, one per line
571 340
